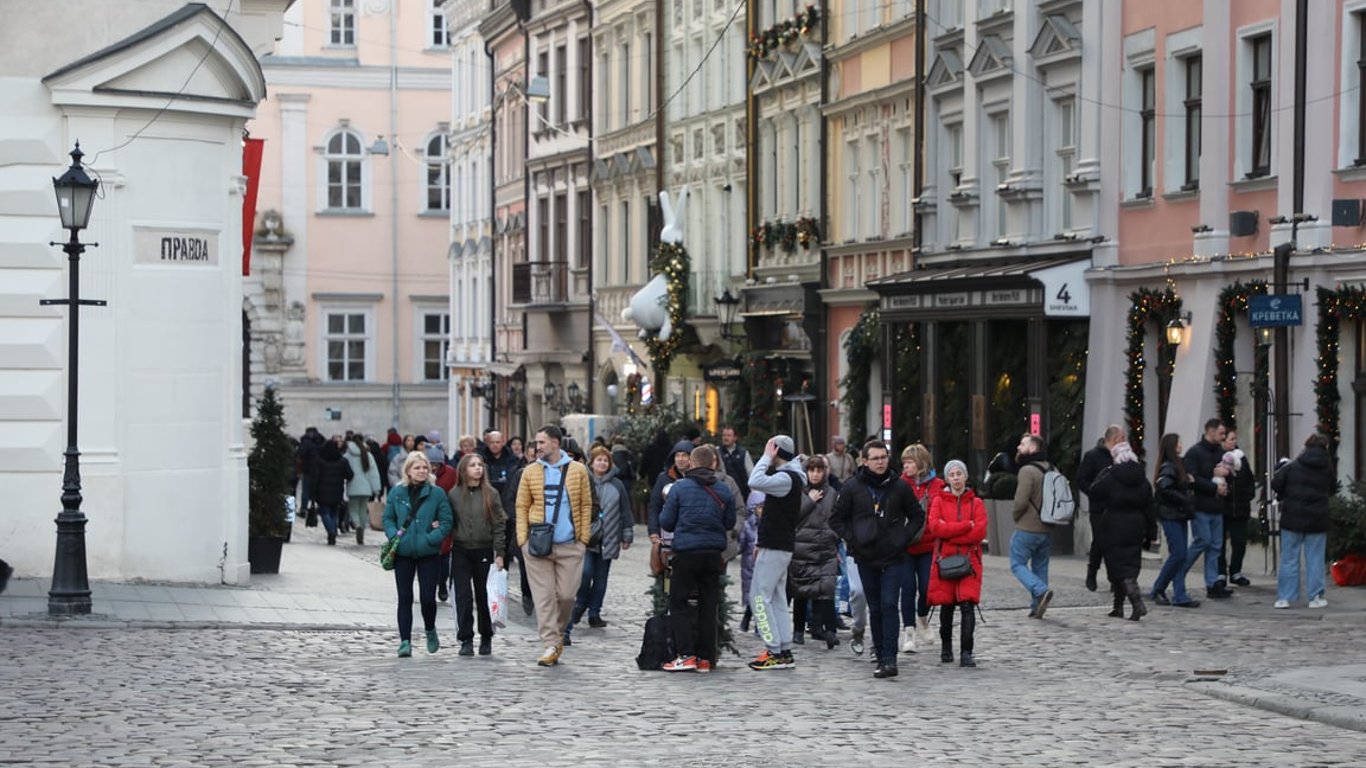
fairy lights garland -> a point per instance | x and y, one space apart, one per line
1232 302
784 33
673 262
1146 305
860 348
1346 303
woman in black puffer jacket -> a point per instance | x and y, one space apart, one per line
1129 523
329 486
815 557
1304 485
1175 500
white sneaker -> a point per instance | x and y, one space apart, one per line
1281 604
1318 602
908 640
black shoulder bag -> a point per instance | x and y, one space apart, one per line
953 567
540 540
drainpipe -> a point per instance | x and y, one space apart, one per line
822 382
752 142
586 104
491 402
393 200
918 162
1281 259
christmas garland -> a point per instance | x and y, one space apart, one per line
758 410
1067 352
805 231
1145 305
861 349
1334 306
673 262
784 33
1233 301
906 397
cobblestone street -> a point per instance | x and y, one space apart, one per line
1077 688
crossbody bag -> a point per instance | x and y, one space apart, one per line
540 540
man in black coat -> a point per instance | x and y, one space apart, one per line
1092 464
1208 475
878 516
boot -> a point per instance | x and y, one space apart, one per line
969 621
1136 598
1091 571
360 535
744 622
908 639
946 634
1119 593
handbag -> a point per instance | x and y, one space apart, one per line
953 567
389 550
540 540
595 530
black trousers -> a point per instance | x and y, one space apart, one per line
700 571
822 618
515 553
428 570
1235 539
969 623
470 571
1093 556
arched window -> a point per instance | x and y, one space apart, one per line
345 162
438 175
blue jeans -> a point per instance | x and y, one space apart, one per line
1288 578
915 593
1174 569
1029 562
329 515
593 588
883 588
1207 538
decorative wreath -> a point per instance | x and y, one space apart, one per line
784 33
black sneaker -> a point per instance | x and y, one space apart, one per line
596 622
485 646
884 671
966 660
799 638
466 647
1160 598
1218 593
1241 581
442 594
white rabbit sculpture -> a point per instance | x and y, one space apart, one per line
649 308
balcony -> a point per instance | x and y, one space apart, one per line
703 288
540 284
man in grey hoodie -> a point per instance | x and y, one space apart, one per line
781 480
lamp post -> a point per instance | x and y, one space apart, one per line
70 593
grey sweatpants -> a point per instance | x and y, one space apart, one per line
768 599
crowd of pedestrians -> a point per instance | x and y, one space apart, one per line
820 539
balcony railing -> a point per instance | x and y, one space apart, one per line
540 282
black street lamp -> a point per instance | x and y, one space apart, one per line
726 305
70 593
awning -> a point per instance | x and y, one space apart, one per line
1053 287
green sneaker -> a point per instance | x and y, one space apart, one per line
433 645
405 649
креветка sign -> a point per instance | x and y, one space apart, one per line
175 246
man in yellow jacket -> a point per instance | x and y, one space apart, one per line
555 491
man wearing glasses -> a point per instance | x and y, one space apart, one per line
878 516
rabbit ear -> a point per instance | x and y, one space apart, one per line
682 204
666 208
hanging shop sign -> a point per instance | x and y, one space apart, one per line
1275 310
722 370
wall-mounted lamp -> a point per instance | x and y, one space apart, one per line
380 147
1265 334
1176 329
726 305
537 90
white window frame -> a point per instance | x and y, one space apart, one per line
996 155
904 136
436 22
1242 155
872 221
853 150
325 335
421 337
1139 54
1180 47
1065 120
440 164
341 23
325 168
1351 86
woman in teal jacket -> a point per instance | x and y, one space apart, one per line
420 509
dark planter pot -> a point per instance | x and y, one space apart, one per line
263 552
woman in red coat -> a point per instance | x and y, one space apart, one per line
958 522
917 470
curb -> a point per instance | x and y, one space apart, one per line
110 623
1352 718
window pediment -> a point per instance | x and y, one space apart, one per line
1058 38
946 70
991 59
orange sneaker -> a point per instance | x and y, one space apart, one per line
703 665
681 664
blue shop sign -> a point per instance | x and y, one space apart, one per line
1275 310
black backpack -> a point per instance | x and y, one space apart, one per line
656 647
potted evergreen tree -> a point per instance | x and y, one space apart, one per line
268 468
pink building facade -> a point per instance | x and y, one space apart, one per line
1203 140
353 255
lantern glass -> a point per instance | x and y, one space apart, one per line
1176 331
75 194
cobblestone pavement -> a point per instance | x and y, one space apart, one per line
1077 688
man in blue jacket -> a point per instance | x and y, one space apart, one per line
699 511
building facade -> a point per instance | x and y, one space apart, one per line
357 166
1207 194
162 440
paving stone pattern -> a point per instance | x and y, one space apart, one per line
1077 688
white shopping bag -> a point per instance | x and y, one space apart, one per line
497 587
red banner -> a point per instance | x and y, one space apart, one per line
252 150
